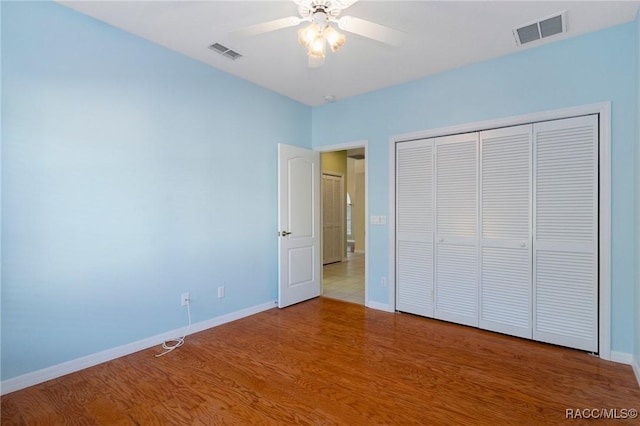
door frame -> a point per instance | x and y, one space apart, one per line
343 147
604 278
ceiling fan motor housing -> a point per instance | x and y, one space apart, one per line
320 18
309 10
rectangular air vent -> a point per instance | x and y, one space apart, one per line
225 51
541 28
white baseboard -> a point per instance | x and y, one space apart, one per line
635 364
621 357
55 371
379 306
629 359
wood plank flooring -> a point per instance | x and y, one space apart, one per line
326 362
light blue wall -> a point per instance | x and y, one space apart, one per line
130 174
596 67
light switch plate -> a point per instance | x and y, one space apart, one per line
378 220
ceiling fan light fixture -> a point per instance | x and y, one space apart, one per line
317 47
308 34
334 38
323 18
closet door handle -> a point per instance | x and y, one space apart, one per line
523 244
440 240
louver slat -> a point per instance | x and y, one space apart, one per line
414 221
506 291
457 188
456 262
415 277
457 284
505 183
505 211
563 277
566 232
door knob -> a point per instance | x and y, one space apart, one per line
284 233
523 244
440 239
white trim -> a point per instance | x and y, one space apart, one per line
379 306
605 230
391 280
599 108
364 143
344 146
635 364
604 109
621 357
55 371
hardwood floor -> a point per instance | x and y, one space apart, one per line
331 362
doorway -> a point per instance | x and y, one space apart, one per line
344 274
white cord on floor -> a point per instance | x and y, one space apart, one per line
179 341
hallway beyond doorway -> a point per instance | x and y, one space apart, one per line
345 280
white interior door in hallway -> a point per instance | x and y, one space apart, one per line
333 207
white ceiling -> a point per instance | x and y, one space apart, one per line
442 35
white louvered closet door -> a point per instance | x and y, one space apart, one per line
414 227
565 262
456 237
505 230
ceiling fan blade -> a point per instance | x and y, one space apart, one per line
266 27
342 4
315 62
371 30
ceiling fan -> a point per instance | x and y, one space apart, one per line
320 32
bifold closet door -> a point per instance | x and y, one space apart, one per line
505 230
565 229
456 236
414 227
332 217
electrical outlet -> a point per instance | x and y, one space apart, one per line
184 300
383 281
220 291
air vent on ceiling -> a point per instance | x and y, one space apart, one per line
225 51
541 28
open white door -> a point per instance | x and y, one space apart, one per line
299 224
